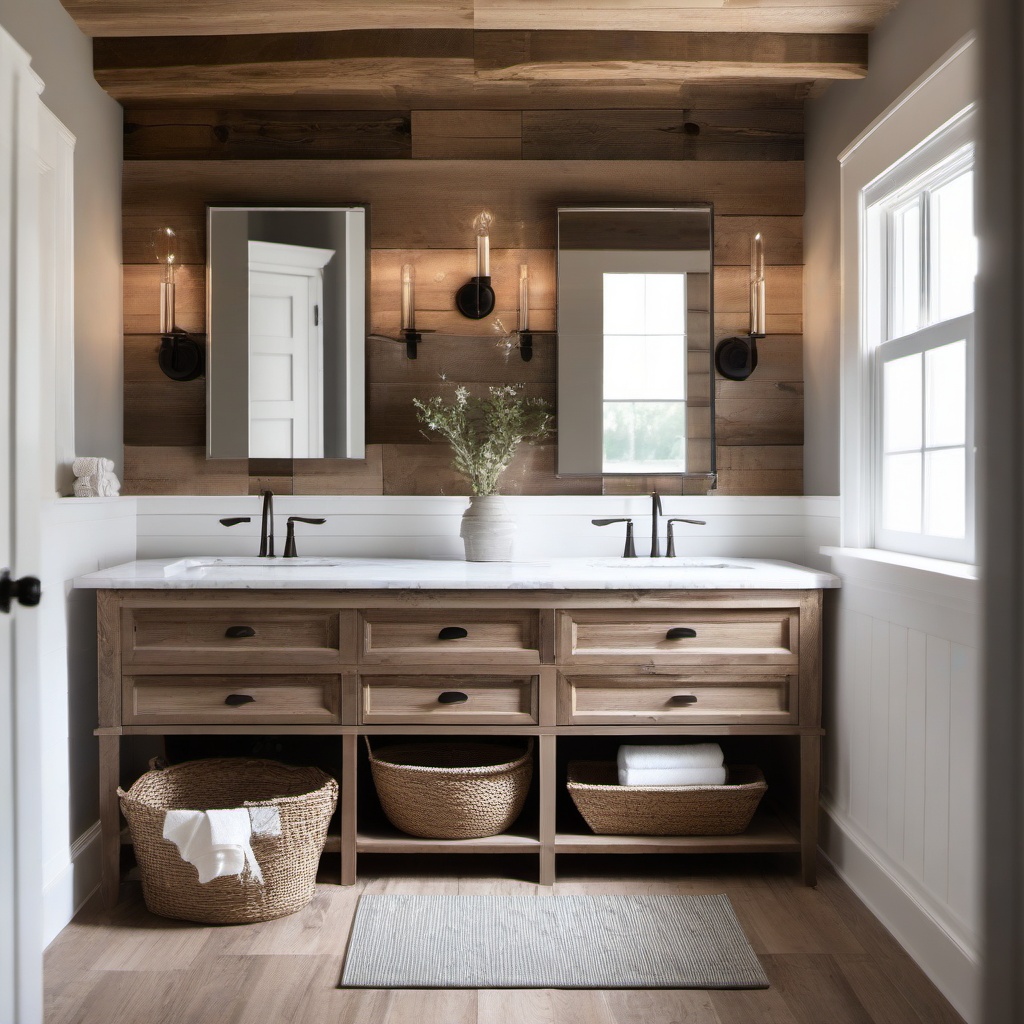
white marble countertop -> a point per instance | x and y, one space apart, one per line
597 573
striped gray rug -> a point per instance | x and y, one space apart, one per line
549 942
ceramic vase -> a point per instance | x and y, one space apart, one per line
488 529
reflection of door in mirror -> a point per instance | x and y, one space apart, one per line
286 350
634 341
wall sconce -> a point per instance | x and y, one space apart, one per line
736 358
475 299
181 356
409 334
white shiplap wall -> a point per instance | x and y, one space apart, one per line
902 780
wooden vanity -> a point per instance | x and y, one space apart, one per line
560 665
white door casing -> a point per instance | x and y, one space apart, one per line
286 332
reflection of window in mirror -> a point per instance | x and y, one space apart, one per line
644 398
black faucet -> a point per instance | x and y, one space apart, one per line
670 552
289 543
655 512
267 529
628 551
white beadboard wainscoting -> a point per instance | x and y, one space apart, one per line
789 528
79 535
902 775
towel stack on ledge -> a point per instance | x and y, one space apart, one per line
95 478
677 764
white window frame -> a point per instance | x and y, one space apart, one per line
940 96
942 157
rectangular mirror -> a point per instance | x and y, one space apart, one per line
634 341
286 323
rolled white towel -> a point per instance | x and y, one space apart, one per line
672 776
671 755
85 489
108 485
89 466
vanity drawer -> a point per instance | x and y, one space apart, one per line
238 636
745 696
688 636
396 637
448 700
221 700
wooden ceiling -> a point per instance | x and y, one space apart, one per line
523 54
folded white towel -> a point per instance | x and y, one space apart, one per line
671 755
217 842
672 776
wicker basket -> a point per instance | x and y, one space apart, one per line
611 809
454 790
305 799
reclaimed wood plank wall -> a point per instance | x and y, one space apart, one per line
426 174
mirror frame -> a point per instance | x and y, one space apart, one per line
224 389
711 472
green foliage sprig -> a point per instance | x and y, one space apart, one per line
485 432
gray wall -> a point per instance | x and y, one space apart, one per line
62 57
903 47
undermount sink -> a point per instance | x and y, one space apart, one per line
228 562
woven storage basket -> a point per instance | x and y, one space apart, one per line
305 799
611 809
454 790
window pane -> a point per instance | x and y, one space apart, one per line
644 436
945 493
954 249
945 373
901 492
665 303
645 368
624 304
901 389
905 272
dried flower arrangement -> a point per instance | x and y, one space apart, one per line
484 432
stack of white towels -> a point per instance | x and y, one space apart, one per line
95 478
675 764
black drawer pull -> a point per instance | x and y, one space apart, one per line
680 633
452 697
682 699
236 632
452 633
236 699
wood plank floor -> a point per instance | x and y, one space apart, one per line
828 960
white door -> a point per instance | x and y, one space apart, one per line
286 350
20 832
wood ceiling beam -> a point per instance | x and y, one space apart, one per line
397 66
230 17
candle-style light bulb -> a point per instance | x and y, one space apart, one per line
408 297
165 248
524 297
482 224
758 317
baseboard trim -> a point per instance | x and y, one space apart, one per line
944 956
66 893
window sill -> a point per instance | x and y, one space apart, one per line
932 577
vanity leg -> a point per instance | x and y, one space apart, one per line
548 790
347 801
110 820
810 781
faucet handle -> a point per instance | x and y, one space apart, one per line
289 541
629 551
235 520
671 551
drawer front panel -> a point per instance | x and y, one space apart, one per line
690 636
709 699
232 700
232 636
439 637
448 700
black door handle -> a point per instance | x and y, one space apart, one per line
452 633
236 699
682 699
452 697
236 632
27 591
680 633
